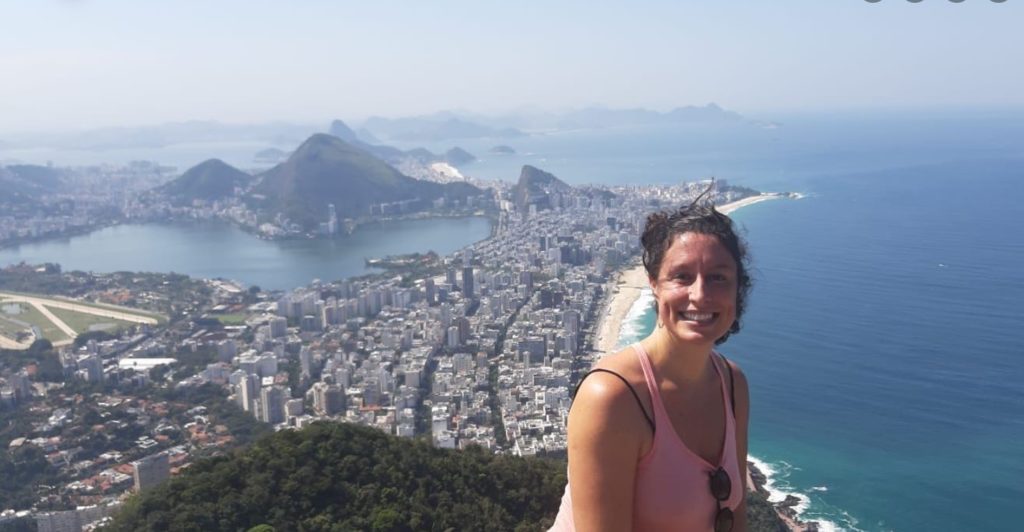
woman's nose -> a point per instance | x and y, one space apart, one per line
698 292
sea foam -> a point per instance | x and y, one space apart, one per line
778 489
634 326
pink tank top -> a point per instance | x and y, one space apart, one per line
672 490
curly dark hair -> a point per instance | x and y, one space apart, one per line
698 217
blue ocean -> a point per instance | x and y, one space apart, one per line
884 342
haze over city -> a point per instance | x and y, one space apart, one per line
85 64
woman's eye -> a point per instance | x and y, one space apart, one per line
719 278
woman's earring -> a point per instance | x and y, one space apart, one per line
660 324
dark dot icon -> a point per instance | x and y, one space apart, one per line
872 1
956 1
914 1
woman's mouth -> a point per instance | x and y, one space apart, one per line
700 318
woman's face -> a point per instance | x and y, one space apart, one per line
696 289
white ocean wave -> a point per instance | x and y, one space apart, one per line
633 326
778 489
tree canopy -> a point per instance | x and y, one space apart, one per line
332 476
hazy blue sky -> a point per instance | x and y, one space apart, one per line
86 63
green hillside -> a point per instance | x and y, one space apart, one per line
26 183
332 476
458 156
209 180
327 170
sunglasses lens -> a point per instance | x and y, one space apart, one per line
721 486
723 520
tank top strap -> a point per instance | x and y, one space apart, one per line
718 361
652 382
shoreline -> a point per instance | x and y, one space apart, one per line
630 282
759 481
625 290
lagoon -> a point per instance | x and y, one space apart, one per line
219 250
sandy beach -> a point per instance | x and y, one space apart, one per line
632 280
729 208
626 291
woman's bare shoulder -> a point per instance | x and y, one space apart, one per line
738 377
624 363
603 392
741 389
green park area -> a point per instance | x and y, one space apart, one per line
100 306
18 316
9 327
28 314
82 322
231 319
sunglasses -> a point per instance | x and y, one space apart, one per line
721 488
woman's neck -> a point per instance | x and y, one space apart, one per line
678 361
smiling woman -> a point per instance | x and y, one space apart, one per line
625 473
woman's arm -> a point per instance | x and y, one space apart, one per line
742 424
605 436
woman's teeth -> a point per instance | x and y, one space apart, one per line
698 316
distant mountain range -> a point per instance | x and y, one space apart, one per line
602 117
162 135
434 128
394 156
597 117
446 125
210 180
327 170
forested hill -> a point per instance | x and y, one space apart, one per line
327 170
339 476
209 180
336 476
